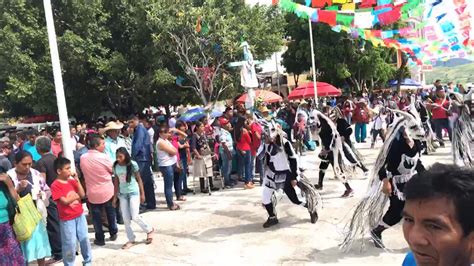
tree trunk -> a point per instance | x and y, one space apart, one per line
401 71
296 77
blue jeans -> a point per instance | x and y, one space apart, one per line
360 132
226 168
96 210
169 178
72 231
184 174
245 165
148 184
130 206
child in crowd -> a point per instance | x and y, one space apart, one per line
67 192
129 188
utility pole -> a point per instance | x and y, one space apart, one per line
58 83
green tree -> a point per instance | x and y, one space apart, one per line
117 55
203 55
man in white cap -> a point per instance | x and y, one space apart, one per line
113 141
172 120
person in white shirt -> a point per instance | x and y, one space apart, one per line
379 126
172 120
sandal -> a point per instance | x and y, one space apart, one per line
175 207
149 237
128 245
181 199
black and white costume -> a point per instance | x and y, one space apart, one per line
281 168
397 161
335 151
428 143
462 133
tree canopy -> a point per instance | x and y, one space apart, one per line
119 55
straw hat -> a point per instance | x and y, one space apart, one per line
111 126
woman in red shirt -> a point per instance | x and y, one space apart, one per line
244 142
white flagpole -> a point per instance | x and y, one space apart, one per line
58 83
313 63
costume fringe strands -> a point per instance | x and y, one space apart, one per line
369 211
462 135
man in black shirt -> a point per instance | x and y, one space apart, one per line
45 166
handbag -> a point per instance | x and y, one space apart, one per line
26 218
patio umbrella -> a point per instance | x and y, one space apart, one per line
307 91
266 96
193 115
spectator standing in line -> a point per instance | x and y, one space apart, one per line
29 145
202 154
361 118
129 188
127 139
438 218
243 139
9 245
56 144
5 150
29 181
184 156
439 115
141 153
74 137
226 151
167 159
67 192
97 170
172 120
113 141
45 166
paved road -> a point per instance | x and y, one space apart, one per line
226 229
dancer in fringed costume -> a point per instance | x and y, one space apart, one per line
282 172
462 133
428 144
397 162
335 151
345 131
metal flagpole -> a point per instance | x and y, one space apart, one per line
313 63
58 83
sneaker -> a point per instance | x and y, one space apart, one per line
314 217
99 243
318 187
348 193
271 221
113 237
214 189
377 238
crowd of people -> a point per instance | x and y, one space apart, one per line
115 161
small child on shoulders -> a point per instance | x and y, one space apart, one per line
67 192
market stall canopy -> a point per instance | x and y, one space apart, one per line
265 95
307 91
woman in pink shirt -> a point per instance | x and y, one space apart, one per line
56 145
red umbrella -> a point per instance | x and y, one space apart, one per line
267 96
307 91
